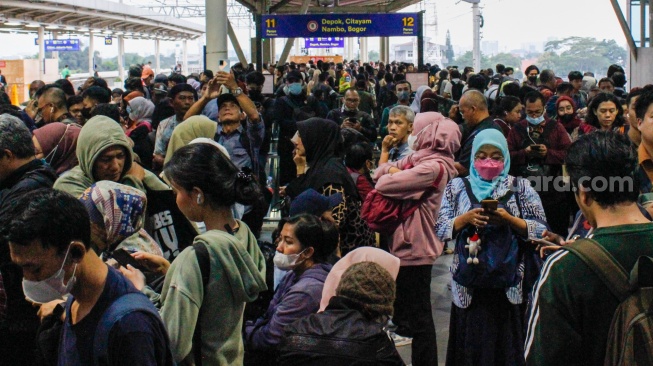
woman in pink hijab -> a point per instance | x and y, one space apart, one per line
362 254
56 143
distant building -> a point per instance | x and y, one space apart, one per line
490 48
407 52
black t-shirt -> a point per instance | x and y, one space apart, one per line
136 339
464 154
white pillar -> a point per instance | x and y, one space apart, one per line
363 49
298 47
121 58
55 54
91 50
157 56
41 53
216 33
476 56
184 66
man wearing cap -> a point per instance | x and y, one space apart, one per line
314 203
159 92
236 114
288 110
147 76
493 91
182 97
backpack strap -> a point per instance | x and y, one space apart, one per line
204 262
604 265
468 190
125 304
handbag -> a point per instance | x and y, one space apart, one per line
384 214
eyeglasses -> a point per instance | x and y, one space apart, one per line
349 100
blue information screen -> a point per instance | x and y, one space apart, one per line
326 42
340 25
62 44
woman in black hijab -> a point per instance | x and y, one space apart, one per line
320 167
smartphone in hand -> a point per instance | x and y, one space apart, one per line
489 205
124 258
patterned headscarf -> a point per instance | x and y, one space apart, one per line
117 208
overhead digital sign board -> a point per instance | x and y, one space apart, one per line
340 25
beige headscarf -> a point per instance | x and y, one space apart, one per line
189 130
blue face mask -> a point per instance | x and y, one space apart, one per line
403 95
535 121
295 88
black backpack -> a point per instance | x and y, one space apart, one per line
457 90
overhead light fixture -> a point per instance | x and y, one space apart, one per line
84 29
107 32
52 26
70 27
119 33
13 23
32 25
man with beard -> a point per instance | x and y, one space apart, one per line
91 97
349 116
290 109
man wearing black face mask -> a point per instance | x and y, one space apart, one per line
531 72
93 96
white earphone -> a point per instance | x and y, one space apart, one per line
199 197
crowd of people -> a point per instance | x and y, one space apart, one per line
131 220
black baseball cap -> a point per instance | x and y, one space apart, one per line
227 97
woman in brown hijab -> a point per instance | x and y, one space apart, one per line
56 143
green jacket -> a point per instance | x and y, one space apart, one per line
572 308
237 276
98 134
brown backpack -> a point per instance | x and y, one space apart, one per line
630 340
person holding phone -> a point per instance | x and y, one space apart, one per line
538 146
349 116
486 326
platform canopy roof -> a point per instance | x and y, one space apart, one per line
84 16
336 6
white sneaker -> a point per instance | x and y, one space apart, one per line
400 340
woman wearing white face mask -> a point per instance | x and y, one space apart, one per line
304 246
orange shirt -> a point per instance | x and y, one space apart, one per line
645 161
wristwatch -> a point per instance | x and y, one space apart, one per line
236 92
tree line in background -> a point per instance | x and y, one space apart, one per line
562 56
78 61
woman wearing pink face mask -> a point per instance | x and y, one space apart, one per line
486 322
